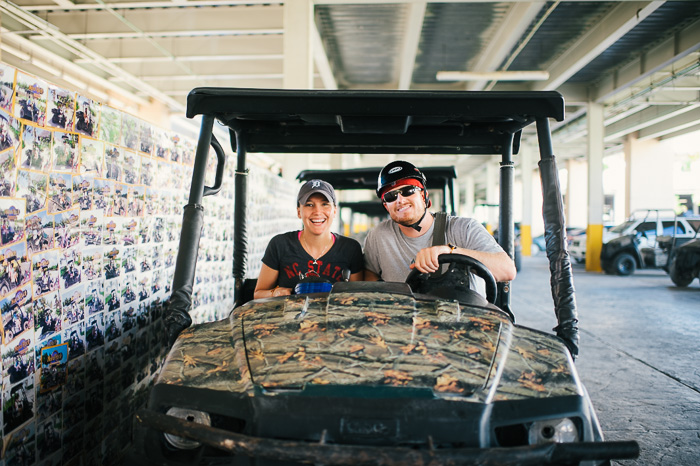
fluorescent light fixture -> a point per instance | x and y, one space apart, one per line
16 52
492 76
101 96
46 67
74 81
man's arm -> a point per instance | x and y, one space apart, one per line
371 276
500 264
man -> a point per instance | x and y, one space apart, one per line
404 242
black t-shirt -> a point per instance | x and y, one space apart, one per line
286 255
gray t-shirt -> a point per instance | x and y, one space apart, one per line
389 253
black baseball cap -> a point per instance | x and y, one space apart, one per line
316 187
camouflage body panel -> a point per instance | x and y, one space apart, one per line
208 356
371 339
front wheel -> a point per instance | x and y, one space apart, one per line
680 278
624 264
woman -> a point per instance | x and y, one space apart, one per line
313 251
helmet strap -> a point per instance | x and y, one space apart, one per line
416 226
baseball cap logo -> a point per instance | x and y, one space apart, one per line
315 184
395 169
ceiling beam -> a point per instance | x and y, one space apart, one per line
183 33
677 123
66 5
514 25
416 14
621 19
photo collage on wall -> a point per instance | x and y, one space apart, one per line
91 205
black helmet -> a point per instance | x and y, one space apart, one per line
398 170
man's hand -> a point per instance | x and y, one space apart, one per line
427 259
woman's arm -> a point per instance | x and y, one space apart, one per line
358 276
267 284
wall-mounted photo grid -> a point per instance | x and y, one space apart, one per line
91 205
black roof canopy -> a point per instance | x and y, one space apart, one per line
400 122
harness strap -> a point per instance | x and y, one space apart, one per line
439 236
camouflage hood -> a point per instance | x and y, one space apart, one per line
371 339
363 341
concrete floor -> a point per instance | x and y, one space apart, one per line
640 354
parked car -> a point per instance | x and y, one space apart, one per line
420 372
622 255
685 263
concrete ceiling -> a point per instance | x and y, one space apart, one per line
639 59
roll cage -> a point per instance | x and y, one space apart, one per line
373 122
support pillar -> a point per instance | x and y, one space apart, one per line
526 167
649 176
594 232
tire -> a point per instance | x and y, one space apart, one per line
679 278
624 264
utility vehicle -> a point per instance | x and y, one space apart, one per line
373 372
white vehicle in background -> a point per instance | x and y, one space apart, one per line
647 222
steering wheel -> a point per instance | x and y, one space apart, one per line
460 266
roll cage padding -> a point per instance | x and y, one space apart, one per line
561 277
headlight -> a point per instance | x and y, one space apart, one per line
198 417
553 430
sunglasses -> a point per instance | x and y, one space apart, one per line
406 191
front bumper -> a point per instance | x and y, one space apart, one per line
322 453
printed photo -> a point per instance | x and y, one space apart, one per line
49 437
36 148
7 87
14 268
128 260
102 194
91 156
86 116
30 98
61 105
70 267
95 367
95 332
19 448
128 231
95 297
18 404
73 303
91 226
60 192
131 167
113 163
135 201
9 131
146 142
49 403
112 263
83 191
40 234
15 318
12 220
67 228
113 328
130 132
147 167
110 125
47 315
75 337
8 173
75 383
54 365
65 152
45 273
33 187
18 359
